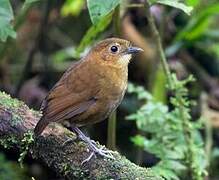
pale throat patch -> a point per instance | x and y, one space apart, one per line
124 60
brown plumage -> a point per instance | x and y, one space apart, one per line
90 89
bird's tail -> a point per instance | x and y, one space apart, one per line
41 125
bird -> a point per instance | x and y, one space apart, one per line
90 89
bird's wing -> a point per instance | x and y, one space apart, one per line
66 101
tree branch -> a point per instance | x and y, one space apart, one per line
16 119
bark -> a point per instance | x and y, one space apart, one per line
17 120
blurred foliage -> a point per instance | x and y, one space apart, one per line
181 109
192 3
100 14
92 32
159 90
199 28
199 23
28 2
97 9
72 7
27 140
6 16
10 170
165 136
176 4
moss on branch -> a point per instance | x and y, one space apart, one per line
16 119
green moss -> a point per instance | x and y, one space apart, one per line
36 114
66 168
9 102
8 141
25 145
80 174
123 167
12 105
60 158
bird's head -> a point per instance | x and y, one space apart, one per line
114 51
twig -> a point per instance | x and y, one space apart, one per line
112 120
117 22
158 42
111 132
208 131
135 6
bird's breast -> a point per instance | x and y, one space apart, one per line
113 83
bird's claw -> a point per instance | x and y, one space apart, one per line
93 146
99 151
67 141
88 159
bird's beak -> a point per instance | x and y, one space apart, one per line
133 50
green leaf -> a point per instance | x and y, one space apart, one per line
92 33
138 140
214 49
140 91
166 173
193 3
62 55
28 3
6 16
176 4
215 153
100 8
72 7
199 24
159 87
177 165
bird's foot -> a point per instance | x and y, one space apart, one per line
94 147
98 151
67 142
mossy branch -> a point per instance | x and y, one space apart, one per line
16 119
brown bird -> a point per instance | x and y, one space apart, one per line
90 89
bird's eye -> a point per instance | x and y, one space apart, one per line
114 49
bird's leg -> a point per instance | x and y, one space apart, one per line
93 146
